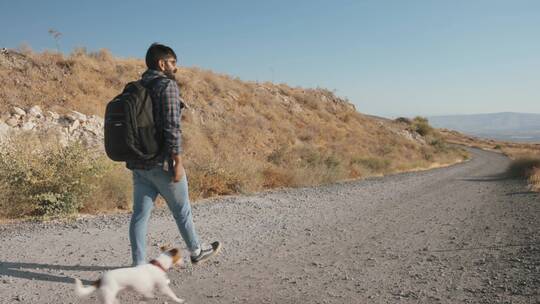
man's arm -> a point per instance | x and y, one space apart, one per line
171 127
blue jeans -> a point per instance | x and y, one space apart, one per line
147 184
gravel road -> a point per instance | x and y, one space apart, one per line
462 234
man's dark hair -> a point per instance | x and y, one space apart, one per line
156 52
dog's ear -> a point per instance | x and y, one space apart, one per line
176 256
164 247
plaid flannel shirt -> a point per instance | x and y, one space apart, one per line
167 108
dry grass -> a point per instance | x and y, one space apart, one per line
113 191
526 168
238 136
523 167
534 179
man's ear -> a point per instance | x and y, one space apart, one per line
161 64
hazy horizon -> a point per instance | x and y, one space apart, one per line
509 126
388 58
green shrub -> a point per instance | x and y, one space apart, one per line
42 178
439 145
421 126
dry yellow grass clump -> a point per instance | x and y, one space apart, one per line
534 179
238 136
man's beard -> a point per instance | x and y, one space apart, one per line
170 74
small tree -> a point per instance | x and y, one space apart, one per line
56 36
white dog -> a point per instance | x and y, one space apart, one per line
142 278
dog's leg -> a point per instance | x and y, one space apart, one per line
147 292
165 289
148 295
108 296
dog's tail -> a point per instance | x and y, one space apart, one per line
84 291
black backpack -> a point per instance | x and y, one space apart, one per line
130 130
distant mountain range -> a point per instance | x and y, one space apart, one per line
508 126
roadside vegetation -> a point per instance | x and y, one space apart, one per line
238 136
40 178
525 156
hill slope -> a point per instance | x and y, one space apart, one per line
238 136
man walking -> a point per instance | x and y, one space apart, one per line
164 174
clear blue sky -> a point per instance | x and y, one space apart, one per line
389 58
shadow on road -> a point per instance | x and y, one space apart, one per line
531 193
487 178
28 271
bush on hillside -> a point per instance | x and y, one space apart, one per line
39 177
439 144
403 120
421 126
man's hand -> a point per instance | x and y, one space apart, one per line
178 170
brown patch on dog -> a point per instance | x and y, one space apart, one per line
175 254
97 283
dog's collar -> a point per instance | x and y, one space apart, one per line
158 265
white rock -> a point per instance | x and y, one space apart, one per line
18 111
27 126
74 126
53 115
294 108
12 122
95 120
78 116
67 127
63 139
4 129
91 129
35 111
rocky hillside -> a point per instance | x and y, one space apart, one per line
238 136
73 126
